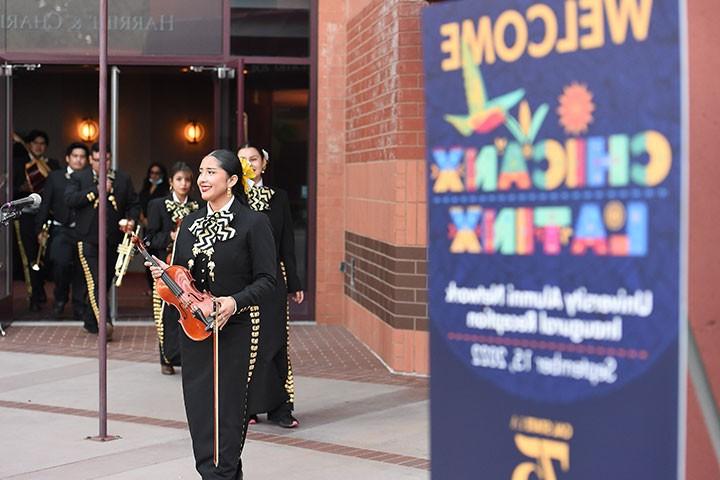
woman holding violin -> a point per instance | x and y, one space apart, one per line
228 251
164 217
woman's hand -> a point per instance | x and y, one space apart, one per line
156 272
225 308
297 297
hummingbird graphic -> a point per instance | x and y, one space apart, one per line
484 115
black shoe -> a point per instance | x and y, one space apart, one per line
93 329
58 309
285 420
167 369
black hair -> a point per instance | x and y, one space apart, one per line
160 189
33 134
231 164
96 148
180 167
258 148
73 146
163 171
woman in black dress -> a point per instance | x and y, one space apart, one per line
274 387
164 217
153 187
228 249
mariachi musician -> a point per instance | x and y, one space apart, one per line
228 249
31 167
274 385
164 217
82 195
62 248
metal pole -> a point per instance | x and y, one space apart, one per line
217 106
114 115
704 394
102 223
9 129
240 114
102 229
311 247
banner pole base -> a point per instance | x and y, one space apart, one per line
105 438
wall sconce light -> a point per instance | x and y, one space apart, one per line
88 130
194 132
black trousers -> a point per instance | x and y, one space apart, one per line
88 253
168 330
273 388
26 246
236 360
66 270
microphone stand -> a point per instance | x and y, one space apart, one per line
8 213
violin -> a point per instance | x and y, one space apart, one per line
177 287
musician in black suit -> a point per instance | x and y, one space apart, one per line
274 386
82 195
61 253
228 248
164 215
31 167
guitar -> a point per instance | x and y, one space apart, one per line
36 173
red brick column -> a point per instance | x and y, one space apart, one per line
385 223
704 259
332 18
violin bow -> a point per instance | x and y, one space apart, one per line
216 389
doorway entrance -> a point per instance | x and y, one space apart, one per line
156 104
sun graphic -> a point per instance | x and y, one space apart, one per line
576 108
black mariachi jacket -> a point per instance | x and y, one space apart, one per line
278 211
244 265
160 223
81 194
53 204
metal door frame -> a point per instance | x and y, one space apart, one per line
6 297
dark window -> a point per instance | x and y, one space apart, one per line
270 28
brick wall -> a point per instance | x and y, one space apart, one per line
332 18
704 260
385 222
389 281
385 139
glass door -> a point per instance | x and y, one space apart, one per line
276 104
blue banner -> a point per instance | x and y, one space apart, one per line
556 171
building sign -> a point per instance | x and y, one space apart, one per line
135 27
556 165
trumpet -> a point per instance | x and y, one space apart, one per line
125 250
42 247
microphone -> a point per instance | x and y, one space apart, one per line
30 202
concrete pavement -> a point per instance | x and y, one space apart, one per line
48 403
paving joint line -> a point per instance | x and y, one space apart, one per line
284 440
